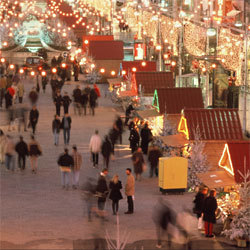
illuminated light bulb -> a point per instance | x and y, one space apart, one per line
32 73
173 63
214 66
63 65
21 71
43 73
158 47
123 72
2 60
12 66
92 65
54 70
143 64
112 72
134 69
102 70
204 69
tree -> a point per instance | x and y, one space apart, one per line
197 161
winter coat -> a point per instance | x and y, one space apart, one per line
58 100
69 122
95 144
56 125
92 98
77 95
65 160
115 193
33 96
146 137
22 148
66 101
209 208
129 109
138 162
84 99
20 88
134 138
130 185
34 149
199 202
34 115
153 157
77 161
102 188
106 148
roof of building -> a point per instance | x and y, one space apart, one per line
239 154
140 66
173 100
150 81
213 124
106 50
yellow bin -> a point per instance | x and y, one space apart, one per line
173 174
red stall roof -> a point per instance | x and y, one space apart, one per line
173 100
139 65
213 124
106 50
236 153
150 81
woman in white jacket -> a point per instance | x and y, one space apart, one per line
95 147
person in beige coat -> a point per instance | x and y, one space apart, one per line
130 190
20 91
3 141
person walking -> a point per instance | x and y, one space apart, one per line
44 82
199 203
33 96
95 147
20 91
3 141
35 151
66 163
92 101
66 126
115 195
153 157
22 151
102 191
138 162
56 125
10 154
119 125
209 208
3 85
33 118
106 151
128 112
146 137
76 167
134 139
77 97
66 102
130 190
84 101
58 102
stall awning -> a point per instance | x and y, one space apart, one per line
216 179
143 114
114 81
174 140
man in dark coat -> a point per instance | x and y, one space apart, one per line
33 96
138 162
8 99
56 125
134 139
113 135
119 125
66 126
84 101
128 111
209 208
102 189
153 157
77 95
106 150
58 102
199 201
22 151
92 100
146 137
33 119
66 102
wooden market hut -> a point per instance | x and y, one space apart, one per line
171 101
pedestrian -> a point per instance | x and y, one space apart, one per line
95 147
199 204
138 162
146 137
33 118
209 208
115 195
66 102
128 112
92 101
8 99
3 141
10 154
20 91
66 126
56 125
77 97
35 151
22 151
53 62
3 85
119 125
102 191
22 115
106 151
58 102
76 167
66 163
84 101
44 82
130 191
76 69
33 96
153 157
134 139
97 90
113 135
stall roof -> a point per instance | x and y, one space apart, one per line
139 65
216 179
143 114
115 80
213 124
149 81
187 98
177 140
106 50
236 154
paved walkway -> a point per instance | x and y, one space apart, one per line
37 214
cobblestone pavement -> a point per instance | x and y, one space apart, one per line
36 213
